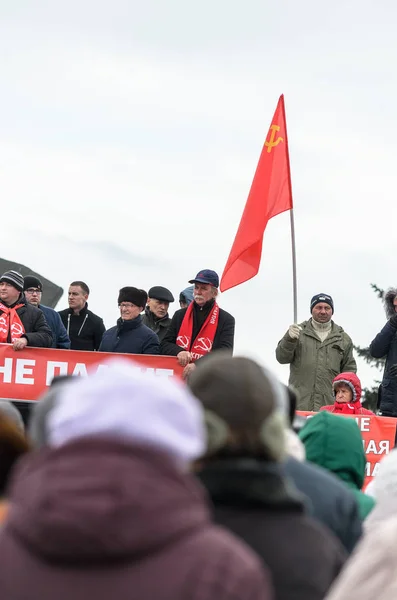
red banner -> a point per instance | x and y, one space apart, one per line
378 433
25 374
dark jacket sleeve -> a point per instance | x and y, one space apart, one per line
106 344
41 336
226 338
380 345
151 345
63 341
168 345
98 333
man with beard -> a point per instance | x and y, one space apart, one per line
200 328
317 351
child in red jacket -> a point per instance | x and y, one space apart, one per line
347 392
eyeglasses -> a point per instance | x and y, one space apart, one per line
127 305
33 291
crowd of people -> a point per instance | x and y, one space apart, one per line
317 349
124 484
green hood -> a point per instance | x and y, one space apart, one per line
334 442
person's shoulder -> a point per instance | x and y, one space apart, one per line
94 317
325 480
328 408
47 309
63 313
226 315
148 332
179 313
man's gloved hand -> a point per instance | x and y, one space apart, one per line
393 371
393 321
294 331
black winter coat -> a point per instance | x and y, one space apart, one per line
385 346
130 337
252 499
328 499
85 330
224 337
37 331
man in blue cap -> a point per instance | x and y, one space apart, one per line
200 328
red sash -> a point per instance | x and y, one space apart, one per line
10 322
205 337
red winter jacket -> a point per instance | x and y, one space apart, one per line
350 408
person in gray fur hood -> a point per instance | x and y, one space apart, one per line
385 346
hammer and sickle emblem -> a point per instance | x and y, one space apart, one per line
273 141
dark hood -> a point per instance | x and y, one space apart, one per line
388 302
97 500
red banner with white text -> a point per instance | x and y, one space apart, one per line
378 433
25 374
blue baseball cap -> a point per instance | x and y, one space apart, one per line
206 276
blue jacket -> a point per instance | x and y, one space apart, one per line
130 337
385 346
60 338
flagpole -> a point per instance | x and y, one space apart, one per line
294 277
293 244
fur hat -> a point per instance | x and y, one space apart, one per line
244 403
133 295
388 300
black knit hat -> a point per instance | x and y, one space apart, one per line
133 295
32 282
321 298
14 278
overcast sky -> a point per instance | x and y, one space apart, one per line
130 132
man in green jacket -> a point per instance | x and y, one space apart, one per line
317 351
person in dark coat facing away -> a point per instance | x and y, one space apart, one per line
385 346
130 335
242 474
327 498
21 324
200 328
109 509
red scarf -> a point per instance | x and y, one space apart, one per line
10 323
348 408
205 337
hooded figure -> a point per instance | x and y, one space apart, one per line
384 346
245 408
109 509
335 443
348 396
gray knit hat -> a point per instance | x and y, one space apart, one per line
13 277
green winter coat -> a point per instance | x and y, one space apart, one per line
314 363
334 442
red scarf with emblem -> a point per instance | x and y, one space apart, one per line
205 337
10 322
348 408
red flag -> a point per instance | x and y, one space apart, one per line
269 196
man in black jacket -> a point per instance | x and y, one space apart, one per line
200 328
156 311
84 329
21 324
